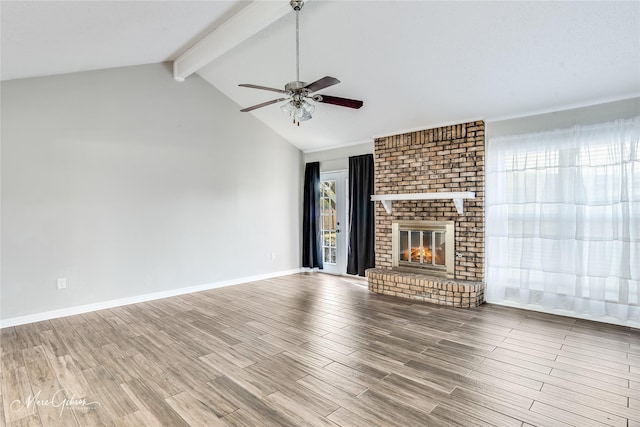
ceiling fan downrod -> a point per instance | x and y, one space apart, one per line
297 5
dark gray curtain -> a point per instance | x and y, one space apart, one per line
361 253
311 244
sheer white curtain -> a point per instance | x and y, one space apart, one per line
563 221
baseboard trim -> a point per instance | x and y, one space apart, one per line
566 313
87 308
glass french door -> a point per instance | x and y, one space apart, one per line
333 224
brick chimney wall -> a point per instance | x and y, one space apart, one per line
444 159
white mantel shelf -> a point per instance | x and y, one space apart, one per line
457 197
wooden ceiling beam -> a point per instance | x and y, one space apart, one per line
248 21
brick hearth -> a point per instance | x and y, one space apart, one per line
445 159
422 287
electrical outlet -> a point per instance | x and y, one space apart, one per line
61 283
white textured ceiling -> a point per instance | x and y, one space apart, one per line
41 38
414 64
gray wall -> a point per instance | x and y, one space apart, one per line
338 158
128 183
594 114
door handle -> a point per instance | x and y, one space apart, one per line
337 231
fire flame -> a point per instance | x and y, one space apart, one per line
427 256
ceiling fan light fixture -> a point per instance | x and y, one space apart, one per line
304 117
287 108
303 113
300 110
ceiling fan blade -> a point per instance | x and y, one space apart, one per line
264 104
262 87
322 83
343 102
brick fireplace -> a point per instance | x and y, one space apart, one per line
445 159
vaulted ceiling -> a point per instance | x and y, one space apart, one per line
414 64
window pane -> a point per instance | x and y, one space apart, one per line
439 249
404 246
415 246
332 239
327 255
427 250
331 220
323 189
327 222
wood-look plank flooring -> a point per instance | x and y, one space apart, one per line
319 350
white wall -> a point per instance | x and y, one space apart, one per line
337 159
128 183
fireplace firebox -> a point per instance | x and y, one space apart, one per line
424 247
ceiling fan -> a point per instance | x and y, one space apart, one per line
297 92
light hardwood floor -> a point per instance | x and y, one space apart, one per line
313 349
